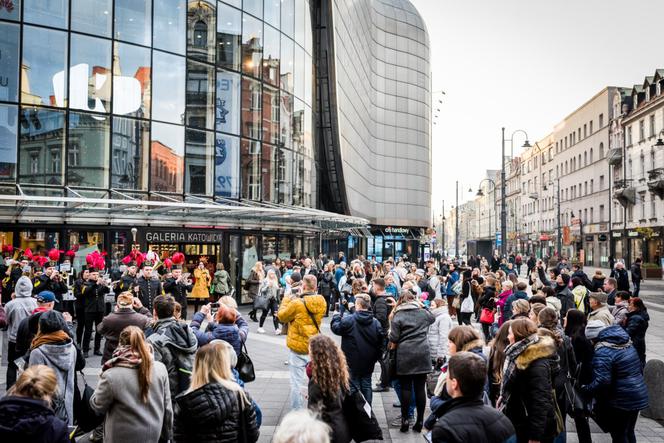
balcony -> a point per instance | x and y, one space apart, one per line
624 192
614 156
656 182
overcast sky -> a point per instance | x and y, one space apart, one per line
525 64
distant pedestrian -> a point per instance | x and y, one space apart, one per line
16 310
636 325
637 276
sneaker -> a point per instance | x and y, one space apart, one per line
379 388
396 404
277 332
260 330
396 423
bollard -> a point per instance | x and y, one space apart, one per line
654 378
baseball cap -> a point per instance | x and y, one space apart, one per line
45 297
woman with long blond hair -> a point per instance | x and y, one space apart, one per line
133 388
233 417
328 385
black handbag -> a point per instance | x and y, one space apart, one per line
361 420
244 366
390 363
577 402
86 418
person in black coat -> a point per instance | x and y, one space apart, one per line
622 279
465 418
564 294
636 326
147 286
178 287
575 329
94 305
637 276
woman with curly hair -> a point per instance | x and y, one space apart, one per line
328 385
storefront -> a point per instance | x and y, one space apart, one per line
394 242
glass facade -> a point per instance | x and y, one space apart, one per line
205 97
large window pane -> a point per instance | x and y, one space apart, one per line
271 63
254 7
89 73
87 150
308 132
131 80
130 154
170 25
308 79
47 12
251 169
298 171
298 79
44 63
308 180
251 108
269 173
228 102
92 16
298 125
252 45
273 12
287 17
133 21
166 158
11 11
200 95
285 176
287 64
9 46
270 114
236 3
8 134
168 80
199 162
201 21
285 120
299 22
227 166
308 34
42 143
229 36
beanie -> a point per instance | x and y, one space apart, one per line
593 328
51 321
23 287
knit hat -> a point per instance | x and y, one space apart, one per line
125 300
296 277
601 297
593 328
23 287
51 321
45 297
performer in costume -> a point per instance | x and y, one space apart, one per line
201 289
148 285
177 285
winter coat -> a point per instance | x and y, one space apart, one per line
218 331
253 284
18 309
174 344
585 281
597 284
409 329
93 297
177 290
603 314
211 413
382 310
488 298
530 406
326 284
438 332
113 324
566 299
222 282
617 378
451 279
61 357
300 325
583 352
636 273
331 412
554 302
362 340
622 278
518 295
28 420
636 326
464 420
148 290
502 300
620 313
118 395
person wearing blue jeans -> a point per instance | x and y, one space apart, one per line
362 384
298 378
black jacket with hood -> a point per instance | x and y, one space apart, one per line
362 340
464 420
28 420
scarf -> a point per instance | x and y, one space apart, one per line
123 357
51 337
512 352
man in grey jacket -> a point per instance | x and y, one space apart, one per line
16 310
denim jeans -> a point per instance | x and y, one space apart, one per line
362 384
297 364
397 389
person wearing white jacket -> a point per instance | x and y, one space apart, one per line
438 343
16 310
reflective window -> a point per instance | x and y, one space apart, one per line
167 158
308 34
271 69
285 119
170 25
288 17
129 156
236 3
199 162
9 46
11 10
227 166
298 79
50 13
168 84
298 125
308 132
45 63
42 146
200 95
92 16
284 176
252 45
269 173
133 21
251 108
227 108
254 7
90 73
298 173
8 134
201 20
308 79
229 36
131 80
299 22
270 114
287 64
88 145
251 169
272 12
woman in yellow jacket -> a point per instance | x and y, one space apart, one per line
201 290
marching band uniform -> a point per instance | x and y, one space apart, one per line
178 290
148 288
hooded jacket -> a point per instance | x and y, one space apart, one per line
438 332
300 325
636 326
362 340
30 421
409 329
466 419
61 357
174 344
19 308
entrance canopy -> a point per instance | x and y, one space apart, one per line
22 204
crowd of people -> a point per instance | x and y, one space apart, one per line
495 357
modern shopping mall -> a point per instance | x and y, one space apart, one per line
235 130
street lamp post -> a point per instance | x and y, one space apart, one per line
503 186
456 221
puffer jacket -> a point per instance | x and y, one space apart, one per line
30 421
211 413
300 325
438 332
617 378
636 326
227 333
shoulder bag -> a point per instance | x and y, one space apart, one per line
244 366
361 419
311 316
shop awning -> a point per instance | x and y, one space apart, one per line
41 204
